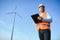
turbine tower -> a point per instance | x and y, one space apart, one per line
14 12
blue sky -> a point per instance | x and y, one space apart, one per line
25 28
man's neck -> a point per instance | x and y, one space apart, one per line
42 12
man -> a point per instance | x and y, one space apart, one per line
44 26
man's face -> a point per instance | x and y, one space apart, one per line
41 9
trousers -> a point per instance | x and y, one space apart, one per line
45 34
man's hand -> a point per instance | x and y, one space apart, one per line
39 18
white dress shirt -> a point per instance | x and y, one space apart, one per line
48 17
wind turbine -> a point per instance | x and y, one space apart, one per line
14 12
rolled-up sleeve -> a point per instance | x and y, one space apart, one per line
48 18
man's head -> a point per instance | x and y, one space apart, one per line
41 8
